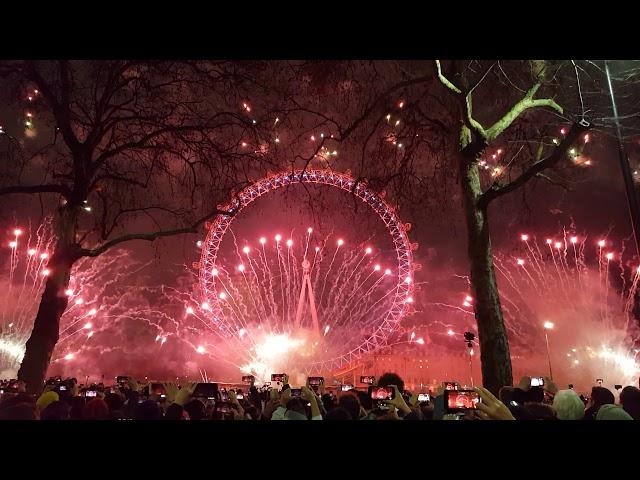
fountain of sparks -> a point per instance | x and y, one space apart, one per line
582 285
292 301
99 300
302 299
22 278
587 291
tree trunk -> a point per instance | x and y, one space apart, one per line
494 346
46 326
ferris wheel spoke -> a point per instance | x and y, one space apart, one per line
265 300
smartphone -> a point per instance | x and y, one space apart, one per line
63 388
122 380
90 393
223 407
537 382
461 400
157 389
367 379
316 381
383 393
207 390
279 377
599 382
450 386
347 387
424 397
296 392
240 396
248 378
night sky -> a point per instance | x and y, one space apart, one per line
594 205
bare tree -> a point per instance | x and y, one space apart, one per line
125 150
149 147
474 138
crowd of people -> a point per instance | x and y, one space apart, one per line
128 400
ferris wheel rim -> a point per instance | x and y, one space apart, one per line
400 306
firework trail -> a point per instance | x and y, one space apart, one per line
117 319
586 290
259 309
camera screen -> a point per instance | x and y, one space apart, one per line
91 393
157 389
296 392
121 379
450 386
223 408
63 388
368 379
247 378
462 400
382 393
240 396
537 382
316 380
205 390
346 388
277 377
423 397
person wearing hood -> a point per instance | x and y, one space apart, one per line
612 412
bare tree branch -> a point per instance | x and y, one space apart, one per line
30 189
496 190
193 228
525 103
469 121
445 81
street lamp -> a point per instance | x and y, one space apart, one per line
632 199
548 326
469 337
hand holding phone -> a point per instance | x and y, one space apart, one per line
459 401
280 377
382 393
490 408
367 379
424 397
315 381
537 382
